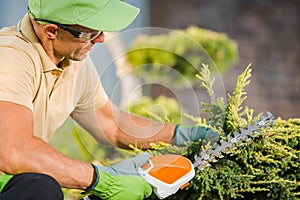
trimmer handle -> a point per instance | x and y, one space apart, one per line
167 173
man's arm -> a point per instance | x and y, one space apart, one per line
21 151
122 128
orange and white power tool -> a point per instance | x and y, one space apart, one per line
169 173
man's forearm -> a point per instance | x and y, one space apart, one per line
21 151
122 128
135 129
37 156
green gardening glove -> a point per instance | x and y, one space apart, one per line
4 180
121 187
126 167
121 181
183 134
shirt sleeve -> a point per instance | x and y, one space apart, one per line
16 77
93 95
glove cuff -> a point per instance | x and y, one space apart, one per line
181 135
4 179
95 183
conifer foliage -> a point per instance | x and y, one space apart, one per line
266 167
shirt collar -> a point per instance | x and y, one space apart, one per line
26 29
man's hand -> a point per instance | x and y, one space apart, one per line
184 134
126 167
121 181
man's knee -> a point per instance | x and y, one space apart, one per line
45 186
35 186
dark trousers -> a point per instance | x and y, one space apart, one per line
32 186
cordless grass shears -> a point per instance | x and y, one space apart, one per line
169 173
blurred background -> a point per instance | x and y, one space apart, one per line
268 36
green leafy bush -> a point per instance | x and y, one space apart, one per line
161 109
266 167
183 50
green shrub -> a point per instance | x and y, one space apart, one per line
160 109
183 50
266 167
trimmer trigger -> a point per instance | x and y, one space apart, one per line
185 185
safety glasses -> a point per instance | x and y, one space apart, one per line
84 36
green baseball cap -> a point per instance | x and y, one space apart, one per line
104 15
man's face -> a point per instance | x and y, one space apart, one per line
74 48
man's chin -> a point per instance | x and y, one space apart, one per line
77 58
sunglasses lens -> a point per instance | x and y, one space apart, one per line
90 36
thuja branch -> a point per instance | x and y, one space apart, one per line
235 110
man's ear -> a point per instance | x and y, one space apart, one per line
50 30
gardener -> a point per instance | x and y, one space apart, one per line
47 75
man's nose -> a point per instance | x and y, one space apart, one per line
99 39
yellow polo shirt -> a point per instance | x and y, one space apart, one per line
28 77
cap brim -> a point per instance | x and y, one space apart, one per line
116 16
